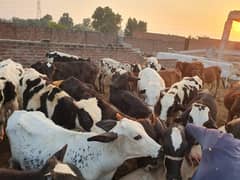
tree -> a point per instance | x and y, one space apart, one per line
66 20
54 25
105 20
133 25
46 18
84 26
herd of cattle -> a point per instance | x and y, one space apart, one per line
71 118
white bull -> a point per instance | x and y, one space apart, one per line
34 138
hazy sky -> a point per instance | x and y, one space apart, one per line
179 17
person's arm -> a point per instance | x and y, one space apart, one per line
197 132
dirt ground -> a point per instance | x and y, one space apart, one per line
221 118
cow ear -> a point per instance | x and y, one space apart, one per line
162 93
119 116
104 137
9 91
106 125
142 91
210 123
61 153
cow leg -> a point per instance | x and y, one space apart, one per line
217 86
225 82
14 164
99 83
230 116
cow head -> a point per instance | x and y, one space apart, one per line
45 68
55 169
175 146
121 81
168 105
132 138
200 115
136 68
152 62
151 97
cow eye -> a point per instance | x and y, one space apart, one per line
138 137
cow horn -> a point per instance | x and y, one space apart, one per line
119 116
57 83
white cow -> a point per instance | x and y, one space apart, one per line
150 86
34 138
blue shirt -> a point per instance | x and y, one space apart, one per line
220 154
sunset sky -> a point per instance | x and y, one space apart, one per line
178 17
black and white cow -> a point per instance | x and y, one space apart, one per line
175 146
108 67
53 169
10 73
177 97
61 66
202 111
34 138
57 104
80 90
57 56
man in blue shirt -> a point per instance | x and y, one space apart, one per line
220 154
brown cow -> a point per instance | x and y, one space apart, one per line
170 76
232 102
190 69
211 76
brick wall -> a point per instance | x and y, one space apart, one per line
29 52
11 31
151 43
201 43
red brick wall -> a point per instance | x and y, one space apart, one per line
29 52
11 31
151 43
201 43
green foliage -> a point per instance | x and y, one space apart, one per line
66 20
54 25
47 18
84 26
105 20
133 25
